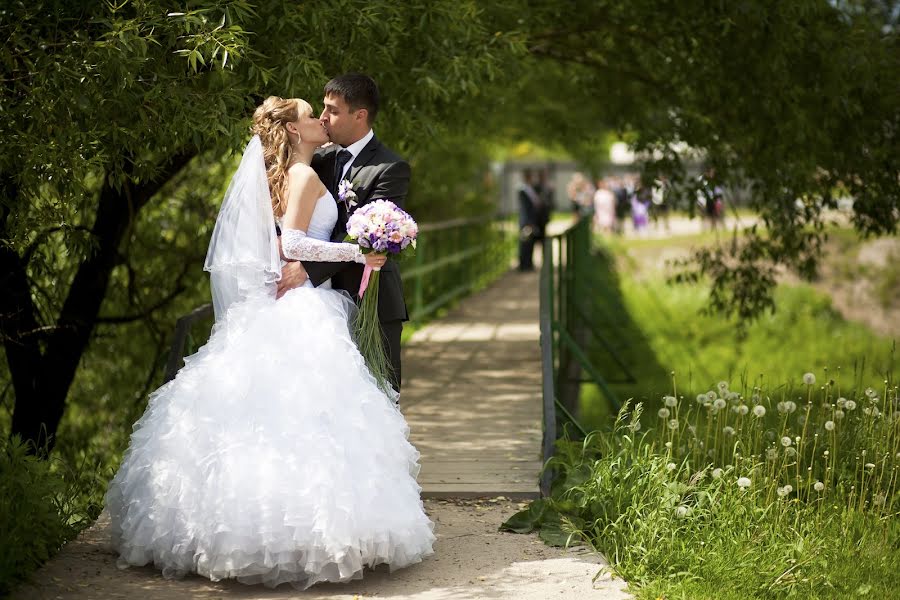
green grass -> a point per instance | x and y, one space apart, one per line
660 328
659 493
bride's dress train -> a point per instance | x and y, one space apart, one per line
273 456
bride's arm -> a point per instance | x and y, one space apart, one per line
304 190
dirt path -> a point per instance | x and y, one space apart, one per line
472 560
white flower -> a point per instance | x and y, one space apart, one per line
791 406
663 413
809 378
871 393
673 424
850 405
711 395
670 467
786 441
759 410
701 398
870 466
818 486
670 401
829 425
742 409
841 402
743 482
772 453
784 491
683 511
719 404
728 430
723 386
717 473
838 415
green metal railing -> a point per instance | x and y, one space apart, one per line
570 326
451 259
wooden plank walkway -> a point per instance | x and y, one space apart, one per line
472 394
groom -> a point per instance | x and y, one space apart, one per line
375 172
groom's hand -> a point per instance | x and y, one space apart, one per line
293 275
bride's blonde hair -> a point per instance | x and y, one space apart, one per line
269 122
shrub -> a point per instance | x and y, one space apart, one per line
39 511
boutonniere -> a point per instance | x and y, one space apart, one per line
346 194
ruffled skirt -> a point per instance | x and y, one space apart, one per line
272 457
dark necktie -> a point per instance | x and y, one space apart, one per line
342 158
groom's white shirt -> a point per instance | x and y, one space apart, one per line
355 148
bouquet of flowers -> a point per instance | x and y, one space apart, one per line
379 226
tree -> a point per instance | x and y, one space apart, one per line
103 105
797 101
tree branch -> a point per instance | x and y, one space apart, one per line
36 242
146 312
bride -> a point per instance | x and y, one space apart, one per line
273 456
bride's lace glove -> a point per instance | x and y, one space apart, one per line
296 245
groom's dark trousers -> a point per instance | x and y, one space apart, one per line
376 173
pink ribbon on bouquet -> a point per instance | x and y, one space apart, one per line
367 272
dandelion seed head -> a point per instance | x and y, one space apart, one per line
759 410
818 486
742 409
711 395
673 424
717 473
782 491
723 386
701 398
771 454
743 482
682 511
838 415
719 404
809 378
791 406
728 430
786 441
733 397
841 402
670 401
850 405
663 413
870 465
790 452
670 467
871 393
829 425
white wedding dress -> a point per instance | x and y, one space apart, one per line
273 456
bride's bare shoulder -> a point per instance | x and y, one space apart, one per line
302 178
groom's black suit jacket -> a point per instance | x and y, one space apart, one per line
377 173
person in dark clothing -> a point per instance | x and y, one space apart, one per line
531 210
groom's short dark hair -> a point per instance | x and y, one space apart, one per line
357 90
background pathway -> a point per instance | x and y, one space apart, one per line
472 394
